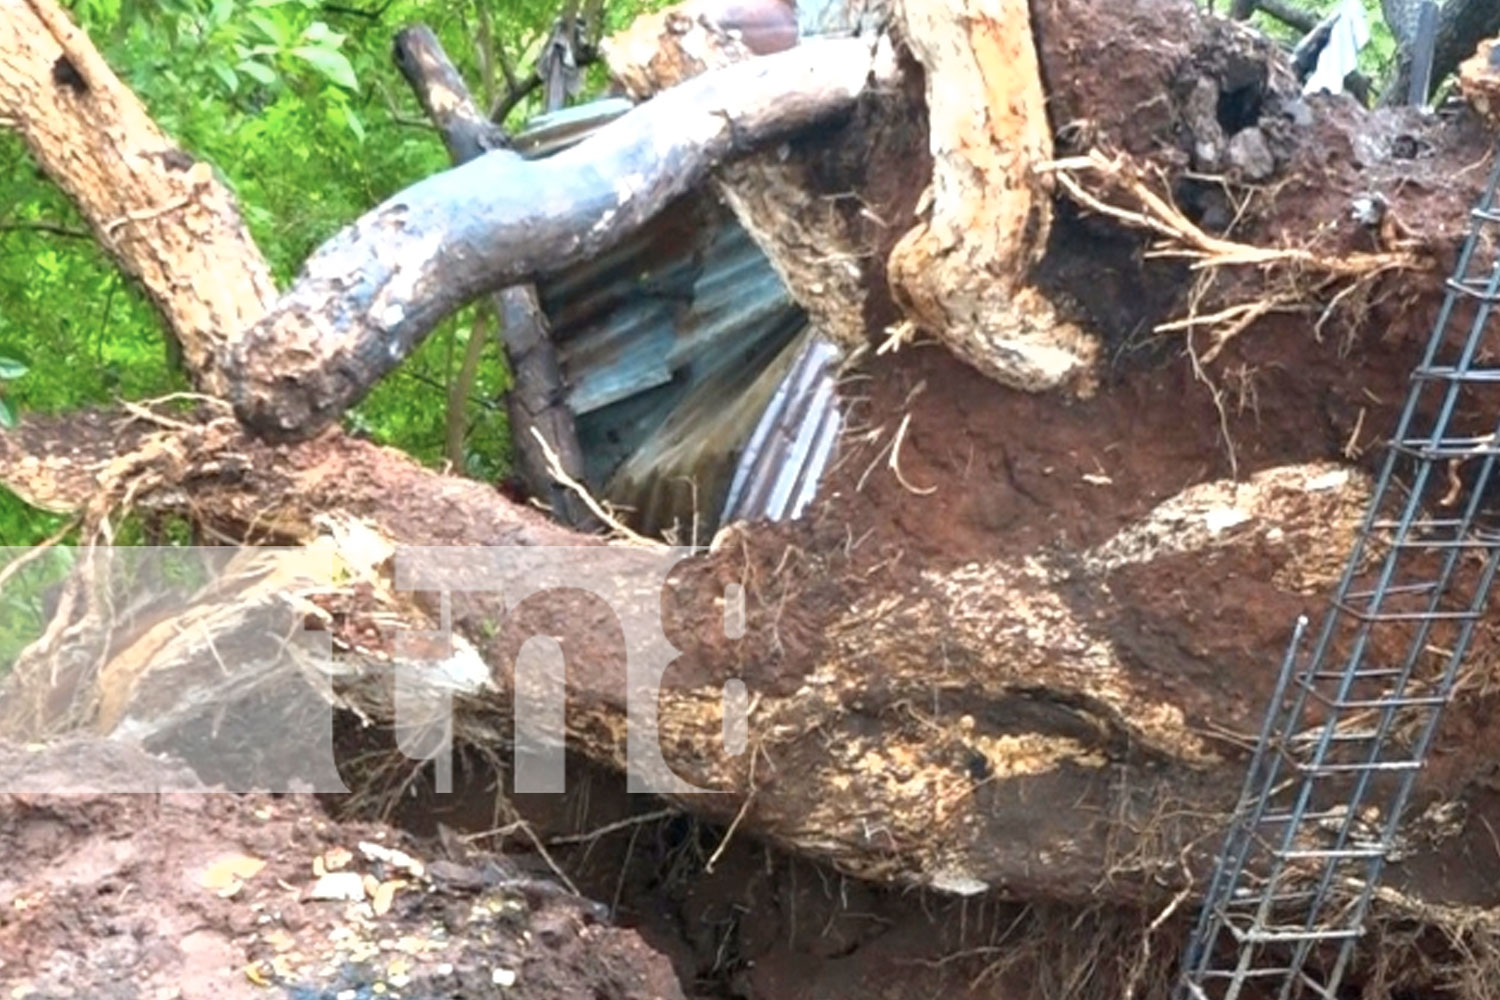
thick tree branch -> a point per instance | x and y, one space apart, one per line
1070 711
964 271
441 91
536 400
515 93
371 294
1288 14
980 726
1462 24
162 215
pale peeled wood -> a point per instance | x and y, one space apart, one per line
163 216
962 273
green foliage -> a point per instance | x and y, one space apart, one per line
299 107
1375 59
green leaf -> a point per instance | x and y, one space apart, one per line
331 64
11 368
7 416
258 71
226 74
271 28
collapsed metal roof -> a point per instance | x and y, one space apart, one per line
701 395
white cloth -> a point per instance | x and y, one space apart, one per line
1340 57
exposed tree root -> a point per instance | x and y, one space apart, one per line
1296 276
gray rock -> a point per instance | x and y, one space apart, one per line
1298 112
1250 154
1200 113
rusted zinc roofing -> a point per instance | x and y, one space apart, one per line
672 344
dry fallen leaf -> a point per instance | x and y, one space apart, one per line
279 940
393 857
226 875
384 895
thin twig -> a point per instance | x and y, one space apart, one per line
522 826
35 552
1144 961
615 827
1186 239
744 809
729 834
51 228
557 472
541 849
894 463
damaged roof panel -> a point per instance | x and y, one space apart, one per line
785 456
672 344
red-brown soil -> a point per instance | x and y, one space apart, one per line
207 896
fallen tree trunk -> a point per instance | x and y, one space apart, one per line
1023 643
1029 702
1005 724
162 215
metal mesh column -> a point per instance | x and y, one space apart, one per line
1353 717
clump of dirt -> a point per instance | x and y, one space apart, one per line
192 894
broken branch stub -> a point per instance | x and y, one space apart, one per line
963 272
372 293
818 209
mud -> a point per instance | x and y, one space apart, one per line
191 894
740 919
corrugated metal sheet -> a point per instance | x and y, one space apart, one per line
784 458
672 344
840 18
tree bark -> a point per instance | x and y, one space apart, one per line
963 273
1029 702
1462 24
795 200
979 726
162 215
985 211
1283 11
1287 13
